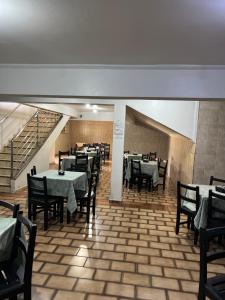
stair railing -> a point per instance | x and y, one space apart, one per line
3 121
31 141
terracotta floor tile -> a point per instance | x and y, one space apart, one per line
40 293
81 272
117 289
92 286
66 295
137 279
108 275
54 269
61 282
151 294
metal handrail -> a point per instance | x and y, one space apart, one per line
26 146
3 119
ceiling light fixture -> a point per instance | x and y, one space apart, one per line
95 111
88 105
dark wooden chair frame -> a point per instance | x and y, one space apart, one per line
138 176
214 287
40 201
13 207
62 153
214 179
33 171
11 284
164 168
85 199
184 210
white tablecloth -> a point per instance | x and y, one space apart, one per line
67 161
200 220
7 232
64 185
149 168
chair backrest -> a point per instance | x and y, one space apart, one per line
145 156
152 155
213 180
61 155
206 257
25 248
162 167
73 150
37 187
216 209
135 167
13 207
193 195
81 163
92 185
33 171
126 151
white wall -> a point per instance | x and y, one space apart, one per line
160 81
181 116
14 123
99 116
42 158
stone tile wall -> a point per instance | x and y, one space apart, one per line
210 147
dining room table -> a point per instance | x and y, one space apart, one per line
129 156
148 168
68 160
90 153
65 185
200 220
7 233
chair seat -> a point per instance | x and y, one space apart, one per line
10 286
82 194
51 199
189 206
216 285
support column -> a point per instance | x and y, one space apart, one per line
117 152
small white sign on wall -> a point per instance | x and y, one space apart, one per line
118 129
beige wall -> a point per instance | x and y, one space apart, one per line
79 131
143 139
210 148
181 158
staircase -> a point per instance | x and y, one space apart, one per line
17 154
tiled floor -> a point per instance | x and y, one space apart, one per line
128 251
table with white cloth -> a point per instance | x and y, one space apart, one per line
148 168
200 220
65 185
7 232
67 161
91 153
129 156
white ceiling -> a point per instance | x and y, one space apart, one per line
133 32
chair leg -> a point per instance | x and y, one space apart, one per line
188 222
61 211
27 294
195 236
178 223
68 216
88 211
93 207
46 218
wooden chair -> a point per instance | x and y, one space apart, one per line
137 177
162 167
216 210
87 199
188 208
126 152
145 156
81 163
40 201
12 207
125 164
11 281
61 155
214 181
33 171
214 287
152 155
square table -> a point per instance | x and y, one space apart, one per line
67 161
149 168
200 220
7 232
132 156
64 185
90 153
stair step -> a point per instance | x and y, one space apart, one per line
16 156
5 180
5 188
7 163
